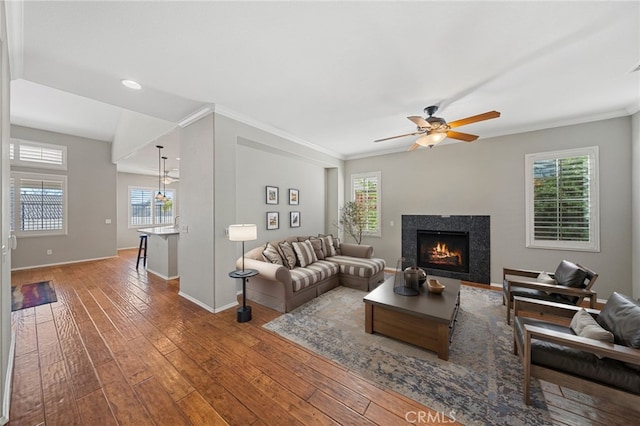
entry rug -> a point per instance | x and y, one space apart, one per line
481 383
30 295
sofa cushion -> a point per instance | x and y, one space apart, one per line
570 275
545 278
304 253
621 316
288 255
302 278
357 266
584 325
272 254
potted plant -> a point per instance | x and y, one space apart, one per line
353 220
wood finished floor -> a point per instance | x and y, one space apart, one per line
121 347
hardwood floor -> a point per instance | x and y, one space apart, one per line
121 347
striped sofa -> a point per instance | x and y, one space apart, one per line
284 289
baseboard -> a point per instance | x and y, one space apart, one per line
197 302
6 400
62 263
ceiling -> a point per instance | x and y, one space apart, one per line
336 75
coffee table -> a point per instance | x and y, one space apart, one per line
426 320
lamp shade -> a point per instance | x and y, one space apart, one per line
432 138
243 232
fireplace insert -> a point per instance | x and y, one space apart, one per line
443 250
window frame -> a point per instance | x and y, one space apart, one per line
593 245
15 148
378 176
154 221
16 176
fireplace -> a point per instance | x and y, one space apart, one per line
443 250
475 251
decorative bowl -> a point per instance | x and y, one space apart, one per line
435 287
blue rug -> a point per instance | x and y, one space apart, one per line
481 383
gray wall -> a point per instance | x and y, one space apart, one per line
259 167
91 180
635 191
487 178
129 237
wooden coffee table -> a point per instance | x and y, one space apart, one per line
426 320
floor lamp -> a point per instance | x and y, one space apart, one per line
243 232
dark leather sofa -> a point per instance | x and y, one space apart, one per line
550 350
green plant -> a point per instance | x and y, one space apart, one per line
353 219
167 205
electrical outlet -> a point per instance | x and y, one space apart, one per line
49 251
107 221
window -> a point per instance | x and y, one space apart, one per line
146 210
365 189
562 200
38 203
36 154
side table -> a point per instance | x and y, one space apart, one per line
244 312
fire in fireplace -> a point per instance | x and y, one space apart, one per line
443 250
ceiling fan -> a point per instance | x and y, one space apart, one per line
433 130
166 179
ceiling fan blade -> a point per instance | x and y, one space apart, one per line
461 136
414 146
474 119
420 122
399 136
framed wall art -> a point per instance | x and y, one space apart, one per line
273 220
272 195
294 195
294 219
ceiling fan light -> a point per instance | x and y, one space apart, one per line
432 138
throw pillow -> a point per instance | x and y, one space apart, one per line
288 255
304 253
545 278
621 316
317 247
584 325
272 254
329 250
569 274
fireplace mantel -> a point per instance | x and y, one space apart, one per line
479 231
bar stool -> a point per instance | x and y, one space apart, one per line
142 251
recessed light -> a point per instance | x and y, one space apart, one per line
131 84
178 158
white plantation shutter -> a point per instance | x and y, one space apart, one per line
562 199
36 154
365 189
39 204
145 210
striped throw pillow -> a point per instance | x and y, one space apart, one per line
304 253
272 254
288 255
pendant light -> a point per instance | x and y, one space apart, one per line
159 195
164 182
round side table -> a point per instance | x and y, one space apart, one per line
244 312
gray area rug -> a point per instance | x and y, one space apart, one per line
481 383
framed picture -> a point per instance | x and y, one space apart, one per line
273 220
294 219
294 199
272 195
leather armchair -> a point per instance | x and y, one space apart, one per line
570 284
551 351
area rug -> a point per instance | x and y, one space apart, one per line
481 383
30 295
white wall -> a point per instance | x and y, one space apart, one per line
91 198
635 195
128 237
260 166
487 178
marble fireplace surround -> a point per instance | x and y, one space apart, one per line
479 231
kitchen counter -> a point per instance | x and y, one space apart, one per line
162 251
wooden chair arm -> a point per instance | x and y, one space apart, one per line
609 350
553 288
525 304
521 273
